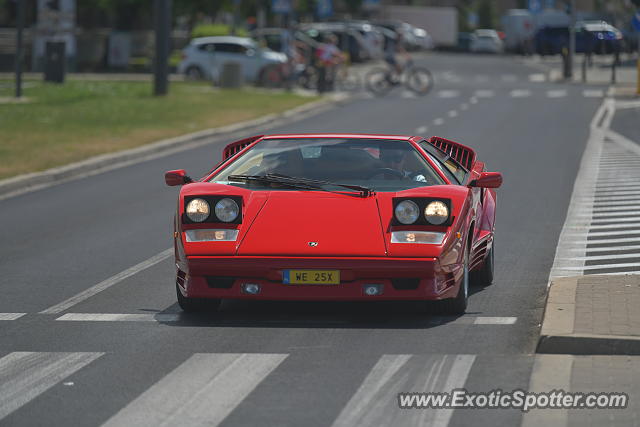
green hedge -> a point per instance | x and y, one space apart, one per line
207 30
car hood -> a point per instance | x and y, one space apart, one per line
312 224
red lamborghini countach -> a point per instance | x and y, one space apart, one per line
336 217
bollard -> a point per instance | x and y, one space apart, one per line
613 72
566 66
638 77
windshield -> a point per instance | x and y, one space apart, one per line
378 164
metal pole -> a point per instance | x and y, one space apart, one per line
161 63
572 37
19 47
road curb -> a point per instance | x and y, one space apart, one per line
37 180
564 318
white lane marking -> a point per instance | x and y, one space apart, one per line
608 257
616 201
614 226
610 233
422 130
105 284
570 243
438 121
495 320
509 78
602 242
520 93
614 248
593 93
631 192
606 266
26 375
448 93
483 93
201 391
556 93
119 317
538 77
376 402
623 217
11 316
622 210
464 106
452 113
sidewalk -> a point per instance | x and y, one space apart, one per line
592 315
599 73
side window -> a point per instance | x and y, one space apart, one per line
207 47
231 48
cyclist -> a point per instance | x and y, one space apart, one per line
393 50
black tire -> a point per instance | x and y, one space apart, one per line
484 276
458 305
419 80
377 81
196 305
194 73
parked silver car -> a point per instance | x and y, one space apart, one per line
204 58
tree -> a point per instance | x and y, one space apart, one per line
486 15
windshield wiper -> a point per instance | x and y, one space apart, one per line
297 182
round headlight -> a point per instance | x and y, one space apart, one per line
407 212
436 213
198 210
227 210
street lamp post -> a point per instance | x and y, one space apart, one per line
19 47
572 37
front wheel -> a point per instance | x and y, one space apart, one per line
419 80
484 276
378 81
458 304
195 305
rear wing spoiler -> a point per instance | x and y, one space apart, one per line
237 146
461 153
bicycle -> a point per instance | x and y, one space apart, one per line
381 80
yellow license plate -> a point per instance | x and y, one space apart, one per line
311 277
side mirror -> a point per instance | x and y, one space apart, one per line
487 180
177 177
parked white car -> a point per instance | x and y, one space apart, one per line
204 58
486 41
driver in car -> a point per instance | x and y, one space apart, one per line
395 160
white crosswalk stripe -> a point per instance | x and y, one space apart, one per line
593 93
484 93
201 391
520 93
375 403
448 93
26 375
538 77
557 93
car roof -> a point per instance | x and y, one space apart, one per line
223 39
338 135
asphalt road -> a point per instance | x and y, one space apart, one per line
278 364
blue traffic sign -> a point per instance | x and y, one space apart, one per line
636 21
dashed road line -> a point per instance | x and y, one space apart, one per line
438 121
537 77
11 316
484 93
422 130
105 284
452 114
556 93
448 93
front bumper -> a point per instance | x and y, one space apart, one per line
431 280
